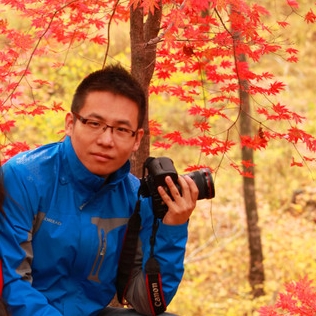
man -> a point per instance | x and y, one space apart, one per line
68 204
3 307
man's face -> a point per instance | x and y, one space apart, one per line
102 153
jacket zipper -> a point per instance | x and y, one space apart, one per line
101 253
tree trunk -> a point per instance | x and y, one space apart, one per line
143 60
256 269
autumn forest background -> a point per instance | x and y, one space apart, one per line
217 260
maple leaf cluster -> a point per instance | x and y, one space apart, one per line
211 45
52 26
220 46
299 299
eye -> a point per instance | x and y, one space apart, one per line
93 124
122 130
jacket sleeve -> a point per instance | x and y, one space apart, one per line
169 251
1 279
16 253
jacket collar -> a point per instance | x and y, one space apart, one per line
78 173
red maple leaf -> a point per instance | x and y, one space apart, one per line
165 68
281 113
276 87
248 163
292 59
41 82
292 3
243 173
99 39
266 75
295 163
247 174
309 158
6 126
283 24
13 149
310 17
226 64
162 145
158 89
213 146
197 167
202 126
148 5
58 65
255 142
193 83
176 137
292 50
295 134
268 311
154 128
230 87
57 107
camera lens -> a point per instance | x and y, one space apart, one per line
204 181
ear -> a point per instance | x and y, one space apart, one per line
138 138
69 124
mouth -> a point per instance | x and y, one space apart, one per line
101 157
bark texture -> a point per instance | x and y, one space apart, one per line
143 60
256 268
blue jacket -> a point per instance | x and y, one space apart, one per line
62 235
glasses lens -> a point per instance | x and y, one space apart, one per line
122 133
97 127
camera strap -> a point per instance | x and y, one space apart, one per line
153 277
128 253
152 269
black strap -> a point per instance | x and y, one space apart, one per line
153 277
127 259
154 287
152 269
128 253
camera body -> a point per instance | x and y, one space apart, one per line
158 169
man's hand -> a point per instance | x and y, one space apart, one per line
182 205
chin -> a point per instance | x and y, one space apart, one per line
100 174
98 169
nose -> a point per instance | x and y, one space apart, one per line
106 127
106 137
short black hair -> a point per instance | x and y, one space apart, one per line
114 79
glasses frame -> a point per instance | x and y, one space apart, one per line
84 121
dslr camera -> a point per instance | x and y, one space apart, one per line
158 169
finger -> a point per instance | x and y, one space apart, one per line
173 188
188 187
164 195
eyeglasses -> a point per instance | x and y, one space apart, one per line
98 127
